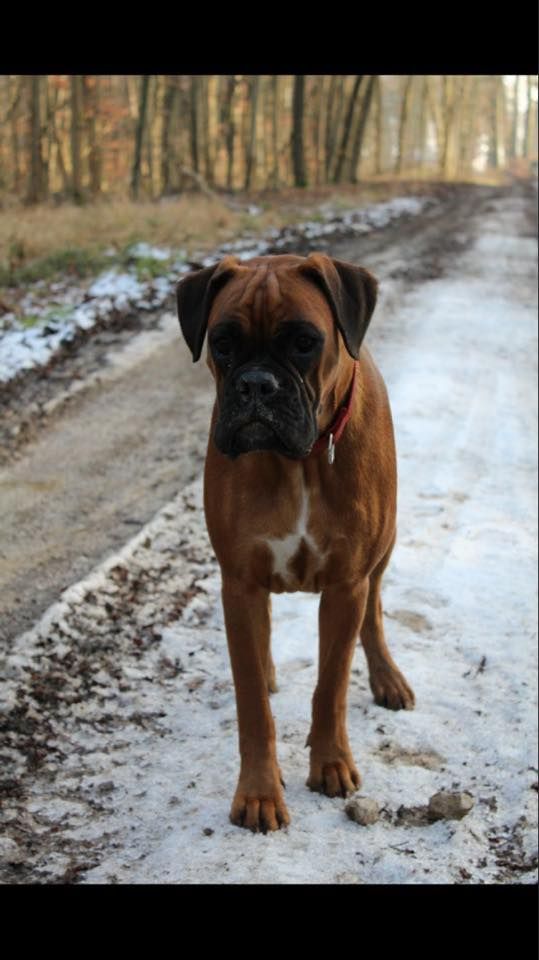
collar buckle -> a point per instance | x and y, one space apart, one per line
331 449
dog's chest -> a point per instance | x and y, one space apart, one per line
297 559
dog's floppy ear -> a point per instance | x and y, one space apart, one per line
195 295
351 293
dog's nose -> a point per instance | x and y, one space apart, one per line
256 383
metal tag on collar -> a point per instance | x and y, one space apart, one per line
331 449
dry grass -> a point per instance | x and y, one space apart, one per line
191 221
38 231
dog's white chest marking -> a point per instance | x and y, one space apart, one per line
284 549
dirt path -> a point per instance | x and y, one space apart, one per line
102 469
117 451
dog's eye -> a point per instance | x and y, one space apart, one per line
223 346
304 343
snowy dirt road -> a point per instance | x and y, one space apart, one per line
119 737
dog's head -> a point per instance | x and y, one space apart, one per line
283 332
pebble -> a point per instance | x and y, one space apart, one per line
363 810
450 806
10 852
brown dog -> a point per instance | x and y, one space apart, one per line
300 494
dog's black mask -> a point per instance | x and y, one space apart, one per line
264 402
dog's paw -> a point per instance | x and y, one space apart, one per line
259 814
258 802
338 778
391 690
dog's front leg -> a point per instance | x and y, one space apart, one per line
332 767
258 802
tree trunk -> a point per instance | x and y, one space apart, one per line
19 86
512 146
423 122
405 106
446 101
264 127
151 140
76 138
467 125
194 119
499 123
168 103
250 156
91 108
335 108
298 150
274 174
328 139
57 156
35 183
230 129
378 145
437 119
317 131
452 90
528 125
345 136
361 127
139 135
205 132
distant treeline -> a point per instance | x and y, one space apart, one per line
78 137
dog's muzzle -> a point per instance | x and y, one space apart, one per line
264 409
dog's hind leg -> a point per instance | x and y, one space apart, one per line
388 685
270 666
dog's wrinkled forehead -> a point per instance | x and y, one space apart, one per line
269 290
262 296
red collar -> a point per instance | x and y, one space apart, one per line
334 432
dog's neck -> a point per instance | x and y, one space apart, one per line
332 434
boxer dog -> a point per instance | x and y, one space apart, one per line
299 494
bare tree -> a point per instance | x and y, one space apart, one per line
57 155
274 177
333 120
468 116
499 122
345 136
379 129
90 93
435 108
250 153
227 120
449 90
35 182
361 127
405 106
528 123
423 121
76 138
16 89
298 149
205 134
169 97
194 121
139 135
317 129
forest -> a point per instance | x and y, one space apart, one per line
80 138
